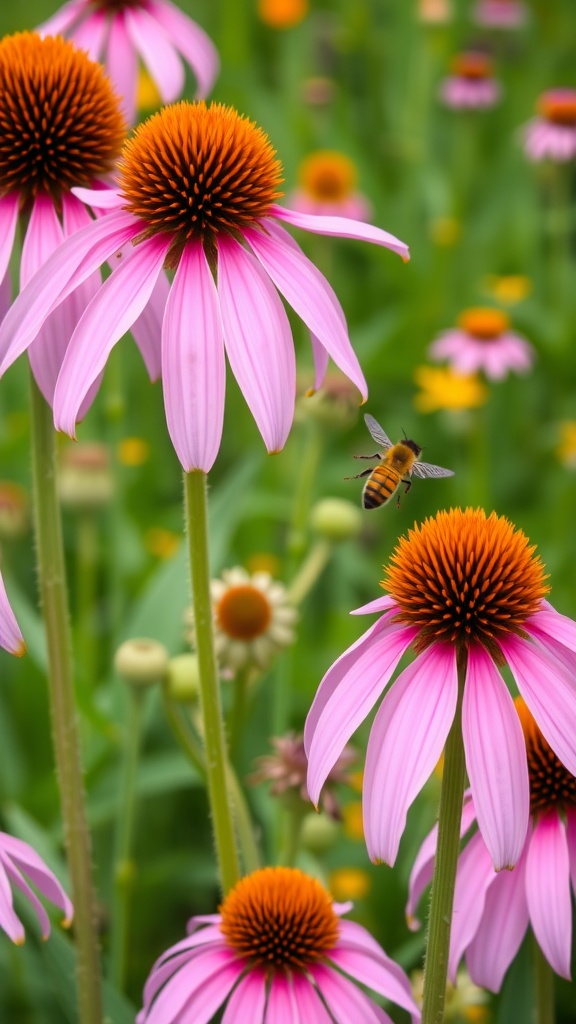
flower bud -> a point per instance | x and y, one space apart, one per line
319 833
141 661
336 519
183 678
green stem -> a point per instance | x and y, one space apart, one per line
443 882
87 560
211 709
313 447
544 987
311 568
237 718
123 862
293 818
65 730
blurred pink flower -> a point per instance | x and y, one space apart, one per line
471 84
551 135
492 910
17 860
221 230
119 32
278 950
327 183
483 341
11 638
500 13
462 585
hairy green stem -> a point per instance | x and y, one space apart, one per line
65 730
543 986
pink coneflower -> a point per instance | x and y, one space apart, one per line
197 194
551 135
60 126
119 32
471 84
327 185
19 862
492 910
278 950
11 638
500 13
483 341
463 587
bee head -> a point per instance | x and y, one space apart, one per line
415 448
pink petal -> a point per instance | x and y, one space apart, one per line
571 837
373 972
280 1008
9 920
110 314
20 883
309 1007
501 929
100 198
549 694
91 34
321 357
247 1000
354 936
122 65
44 234
346 1002
194 45
548 891
60 22
310 295
380 604
258 341
182 952
197 989
405 743
495 760
554 625
423 867
26 858
345 696
5 294
147 328
474 877
157 52
342 228
74 261
193 368
8 221
11 638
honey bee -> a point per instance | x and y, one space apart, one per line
398 462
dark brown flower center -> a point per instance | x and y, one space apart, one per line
60 122
327 176
115 6
280 919
551 784
193 170
484 323
465 578
243 612
558 106
472 65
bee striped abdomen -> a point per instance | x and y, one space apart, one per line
380 486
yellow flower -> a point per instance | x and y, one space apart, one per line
566 449
445 231
441 388
352 820
147 96
133 451
349 883
282 13
509 288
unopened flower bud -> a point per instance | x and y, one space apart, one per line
319 833
85 481
336 519
183 678
141 661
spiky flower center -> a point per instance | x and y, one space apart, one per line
243 612
115 6
60 122
327 176
483 323
193 170
465 578
558 106
473 65
551 784
280 919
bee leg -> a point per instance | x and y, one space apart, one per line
366 472
377 456
406 489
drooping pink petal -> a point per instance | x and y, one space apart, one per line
122 65
258 341
100 198
354 936
320 357
195 46
372 971
247 1000
571 838
110 314
549 694
346 1001
405 743
26 858
555 625
200 985
9 920
11 638
280 1008
474 877
75 260
309 1006
379 604
91 34
19 882
147 328
342 228
60 22
423 867
8 221
193 368
157 52
345 696
495 760
44 234
501 929
548 891
5 294
310 295
173 958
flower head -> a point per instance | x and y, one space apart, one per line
119 33
464 589
445 389
279 947
483 341
551 135
504 14
493 910
286 770
197 192
471 84
327 184
18 863
282 13
566 448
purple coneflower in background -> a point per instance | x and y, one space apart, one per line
551 135
118 32
492 910
483 341
500 13
327 185
197 194
19 862
471 84
462 586
279 950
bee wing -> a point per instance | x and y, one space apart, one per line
424 469
378 434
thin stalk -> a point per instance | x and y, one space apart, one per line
87 561
237 716
444 880
311 569
544 987
65 730
210 703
